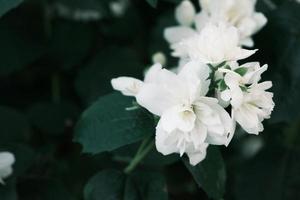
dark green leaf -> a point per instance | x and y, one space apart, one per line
105 185
210 174
7 5
107 125
151 185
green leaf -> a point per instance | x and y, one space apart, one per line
53 118
13 125
153 3
7 5
105 185
241 71
210 174
107 125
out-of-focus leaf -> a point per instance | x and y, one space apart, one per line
94 79
150 185
105 185
107 125
7 5
21 40
13 125
70 42
272 174
53 118
153 3
210 174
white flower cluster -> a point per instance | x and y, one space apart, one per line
200 104
7 159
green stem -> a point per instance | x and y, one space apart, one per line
55 88
140 155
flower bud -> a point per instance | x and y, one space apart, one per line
185 13
159 57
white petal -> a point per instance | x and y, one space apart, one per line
248 119
198 134
127 85
247 42
152 73
155 98
178 33
261 21
178 117
166 143
196 74
198 155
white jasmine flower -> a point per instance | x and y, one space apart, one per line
180 142
6 161
251 104
185 13
159 57
179 99
129 86
257 104
215 43
238 13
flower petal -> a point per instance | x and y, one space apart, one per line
126 85
178 33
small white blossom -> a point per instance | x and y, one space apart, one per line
250 101
118 7
238 13
214 44
185 13
179 99
6 161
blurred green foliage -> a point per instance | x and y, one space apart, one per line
56 61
